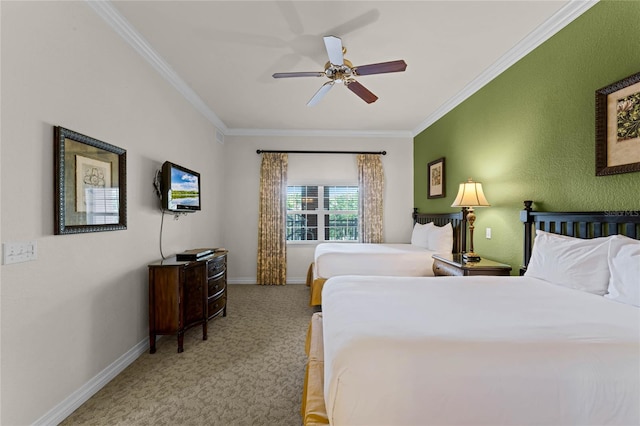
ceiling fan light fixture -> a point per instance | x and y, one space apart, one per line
338 69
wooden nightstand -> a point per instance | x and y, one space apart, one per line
454 264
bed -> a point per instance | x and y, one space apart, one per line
489 350
432 233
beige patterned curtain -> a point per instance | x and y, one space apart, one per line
272 244
371 183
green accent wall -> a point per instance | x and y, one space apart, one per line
529 134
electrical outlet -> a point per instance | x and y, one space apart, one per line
488 233
17 252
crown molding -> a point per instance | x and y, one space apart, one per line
545 31
106 10
322 133
568 13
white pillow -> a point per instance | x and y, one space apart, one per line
420 235
576 263
624 265
440 239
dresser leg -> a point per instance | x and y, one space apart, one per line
204 330
180 341
152 343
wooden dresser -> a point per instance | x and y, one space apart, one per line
185 294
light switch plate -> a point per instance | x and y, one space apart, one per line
488 233
16 252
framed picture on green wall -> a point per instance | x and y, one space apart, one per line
436 179
618 127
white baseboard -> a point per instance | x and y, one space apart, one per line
61 411
252 280
241 280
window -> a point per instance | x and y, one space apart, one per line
322 213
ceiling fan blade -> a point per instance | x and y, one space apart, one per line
382 67
362 91
320 93
334 49
298 74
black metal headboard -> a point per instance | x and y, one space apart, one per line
457 220
577 224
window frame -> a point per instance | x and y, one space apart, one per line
321 212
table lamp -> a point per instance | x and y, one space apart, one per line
470 195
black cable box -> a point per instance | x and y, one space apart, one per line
194 254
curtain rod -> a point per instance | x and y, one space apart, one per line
260 151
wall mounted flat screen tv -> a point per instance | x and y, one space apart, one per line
180 188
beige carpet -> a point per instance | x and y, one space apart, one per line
249 372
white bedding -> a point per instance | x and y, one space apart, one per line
477 350
407 260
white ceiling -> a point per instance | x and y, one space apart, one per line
221 55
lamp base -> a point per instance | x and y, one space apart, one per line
471 257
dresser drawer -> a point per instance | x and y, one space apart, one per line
216 266
442 269
217 305
216 285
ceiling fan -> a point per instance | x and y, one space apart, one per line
340 70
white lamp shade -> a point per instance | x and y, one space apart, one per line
470 194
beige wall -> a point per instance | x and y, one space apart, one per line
81 308
243 179
83 303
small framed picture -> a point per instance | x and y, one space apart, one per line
618 127
436 179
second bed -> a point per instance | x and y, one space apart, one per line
432 233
